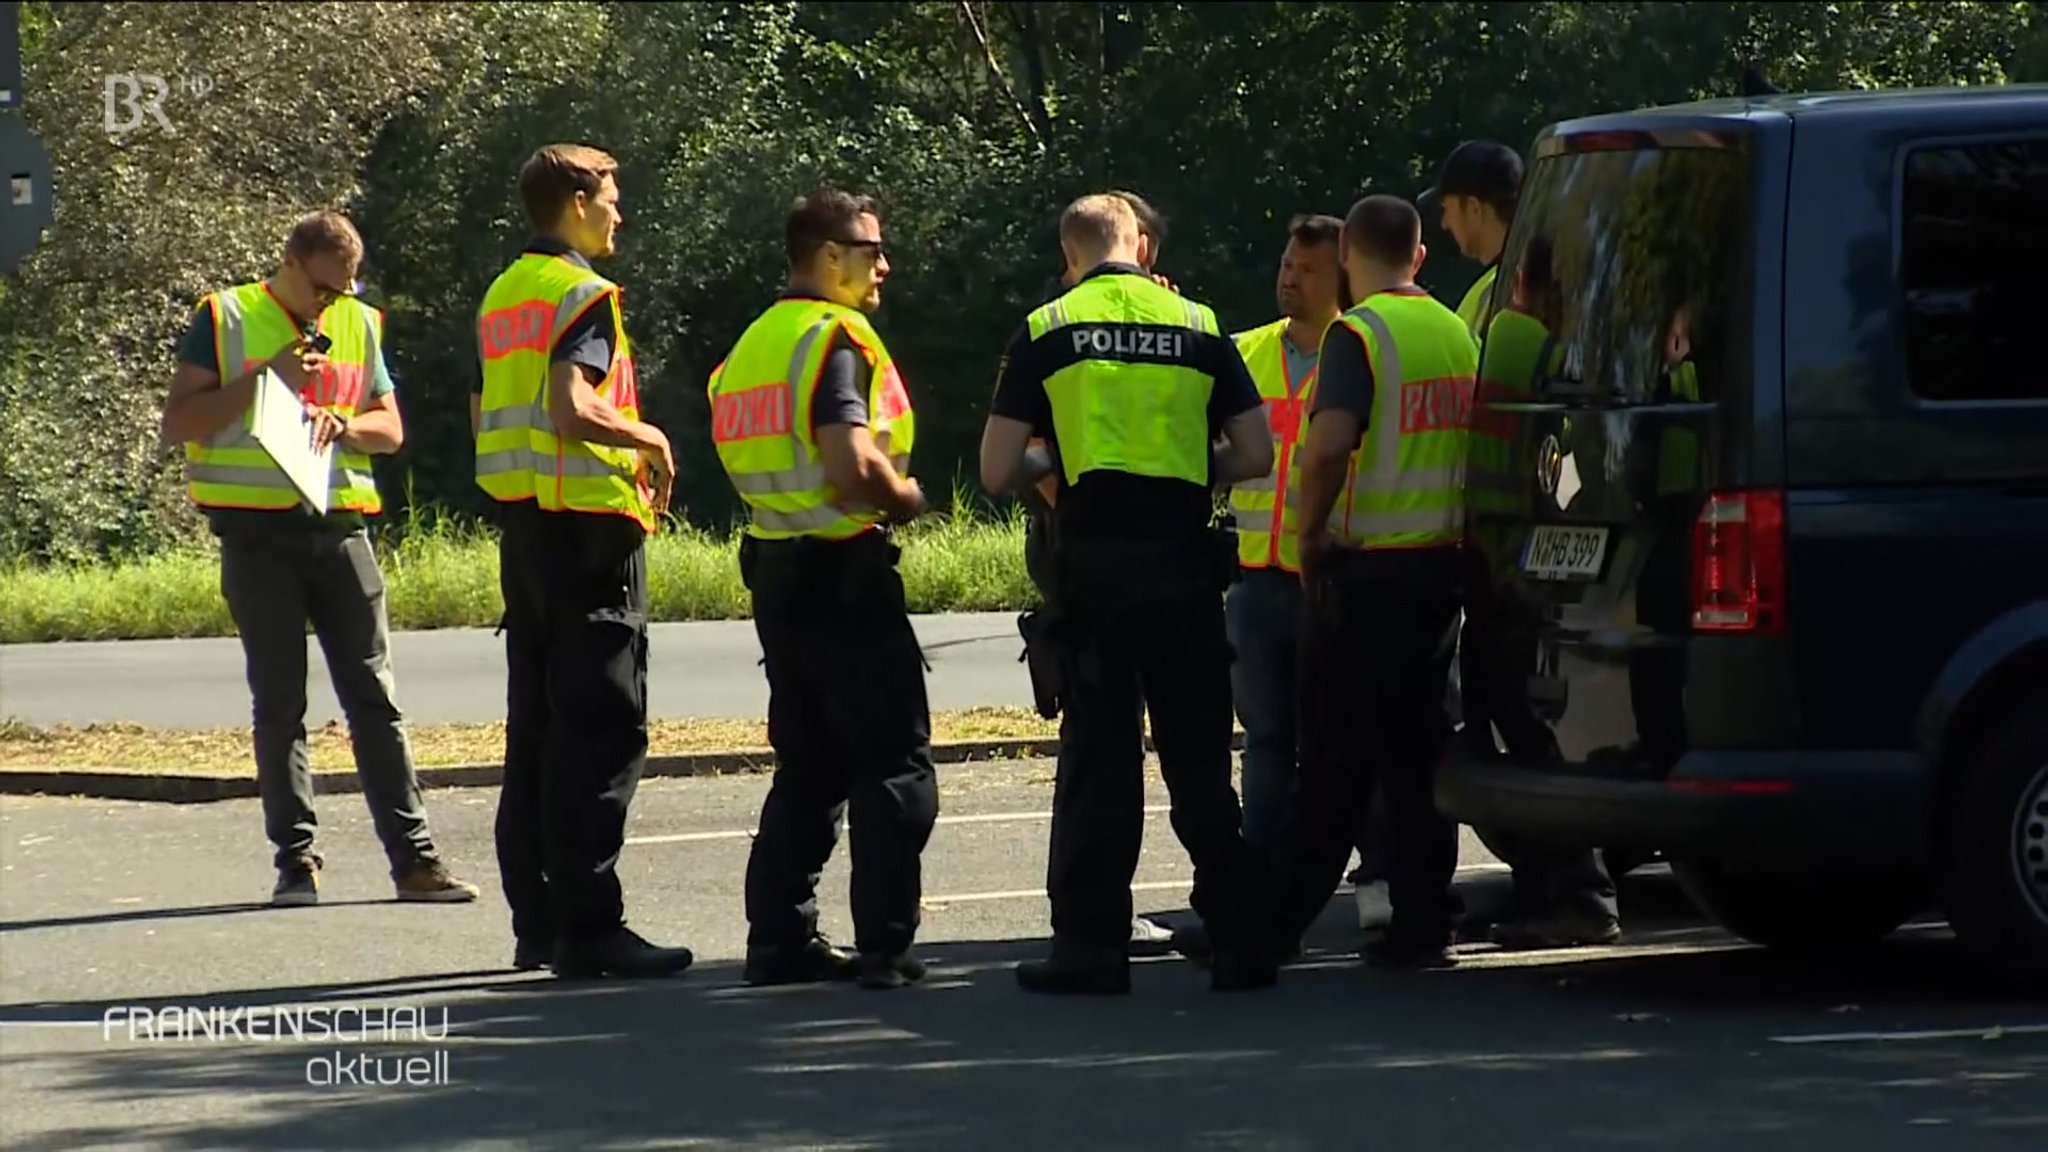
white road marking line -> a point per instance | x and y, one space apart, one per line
979 818
1988 1032
1146 886
49 1023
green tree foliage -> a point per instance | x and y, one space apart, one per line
974 121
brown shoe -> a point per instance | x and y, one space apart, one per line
432 884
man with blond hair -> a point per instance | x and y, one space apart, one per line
579 480
285 565
1131 385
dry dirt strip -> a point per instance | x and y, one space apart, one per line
134 762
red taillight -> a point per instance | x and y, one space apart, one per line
1738 563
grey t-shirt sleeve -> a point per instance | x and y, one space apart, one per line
197 347
1344 375
842 393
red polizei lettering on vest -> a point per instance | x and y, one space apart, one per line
1283 416
520 328
895 397
762 411
1438 405
334 386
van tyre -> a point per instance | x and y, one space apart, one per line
1799 912
1994 862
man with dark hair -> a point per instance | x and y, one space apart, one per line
282 564
1263 606
1132 386
579 480
814 427
1379 528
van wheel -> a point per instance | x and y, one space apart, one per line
1798 912
1994 866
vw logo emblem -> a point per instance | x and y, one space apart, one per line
1549 464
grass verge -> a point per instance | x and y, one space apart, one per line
440 575
133 748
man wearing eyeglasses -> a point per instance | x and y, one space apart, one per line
814 427
284 565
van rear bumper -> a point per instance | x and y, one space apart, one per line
1864 810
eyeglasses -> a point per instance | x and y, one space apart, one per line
875 245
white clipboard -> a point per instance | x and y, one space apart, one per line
281 427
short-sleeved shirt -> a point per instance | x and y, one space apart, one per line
841 396
200 347
1121 504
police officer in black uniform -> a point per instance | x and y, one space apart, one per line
1140 574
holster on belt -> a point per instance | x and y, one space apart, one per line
1046 657
1222 551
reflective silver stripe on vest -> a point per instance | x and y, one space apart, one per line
1387 477
525 458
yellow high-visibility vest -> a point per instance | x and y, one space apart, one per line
1518 353
1143 417
1476 309
1405 485
519 456
1265 508
761 396
229 469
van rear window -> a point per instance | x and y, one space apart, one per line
1624 271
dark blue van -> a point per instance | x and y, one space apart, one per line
1759 484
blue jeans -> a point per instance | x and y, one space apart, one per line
1262 612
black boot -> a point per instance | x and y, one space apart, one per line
621 953
815 961
880 973
1078 970
528 955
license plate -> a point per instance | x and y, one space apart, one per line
1558 552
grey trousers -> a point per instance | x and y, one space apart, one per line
275 584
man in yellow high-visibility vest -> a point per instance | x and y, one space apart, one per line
1132 386
1381 520
578 479
815 429
1263 607
283 564
1148 936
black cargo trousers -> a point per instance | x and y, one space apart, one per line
850 723
1141 630
1378 631
575 590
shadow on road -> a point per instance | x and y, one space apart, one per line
1684 1051
142 915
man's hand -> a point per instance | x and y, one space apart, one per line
298 365
326 426
658 465
914 504
1164 282
1315 552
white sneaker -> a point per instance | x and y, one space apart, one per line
1375 910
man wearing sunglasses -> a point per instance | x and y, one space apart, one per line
813 425
284 565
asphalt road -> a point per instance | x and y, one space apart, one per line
706 669
1678 1040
